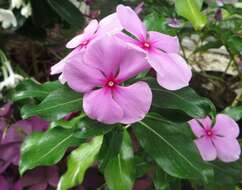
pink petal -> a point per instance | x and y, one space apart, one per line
196 128
228 149
58 68
52 176
88 33
206 149
133 62
135 101
131 22
80 77
206 122
173 72
164 42
99 105
226 126
109 24
91 27
105 54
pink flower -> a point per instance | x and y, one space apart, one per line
162 50
106 64
217 141
109 24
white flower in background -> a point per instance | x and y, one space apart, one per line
7 18
26 10
16 4
10 79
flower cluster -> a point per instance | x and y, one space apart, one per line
112 51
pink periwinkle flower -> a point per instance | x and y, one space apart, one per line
100 73
218 141
94 30
162 50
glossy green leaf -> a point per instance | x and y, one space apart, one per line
67 11
162 181
234 112
191 10
46 148
56 105
173 151
31 89
120 170
78 162
185 100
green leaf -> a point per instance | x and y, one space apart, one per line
111 146
67 11
208 45
46 148
56 105
173 151
31 89
119 172
234 112
191 10
185 100
78 162
162 181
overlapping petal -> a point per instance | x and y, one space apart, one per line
172 71
164 42
131 22
135 101
81 77
197 129
89 31
228 149
226 126
206 148
99 105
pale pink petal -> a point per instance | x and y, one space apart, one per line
226 126
135 101
91 27
164 42
58 68
228 149
80 77
99 105
206 122
105 54
126 38
197 129
206 149
133 62
172 70
131 22
62 79
88 33
109 24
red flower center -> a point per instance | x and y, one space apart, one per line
146 45
111 83
209 132
84 43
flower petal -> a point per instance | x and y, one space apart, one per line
197 129
109 24
99 105
58 68
228 149
80 77
131 22
172 71
133 62
206 149
226 126
206 122
135 101
105 54
4 183
164 42
89 31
